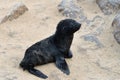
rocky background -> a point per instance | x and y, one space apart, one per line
95 46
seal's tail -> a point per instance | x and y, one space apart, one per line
37 73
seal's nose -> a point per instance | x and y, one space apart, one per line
78 25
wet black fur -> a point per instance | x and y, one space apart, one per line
52 49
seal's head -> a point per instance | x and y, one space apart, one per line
68 27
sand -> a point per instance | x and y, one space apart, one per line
88 63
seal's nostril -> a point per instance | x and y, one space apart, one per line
79 25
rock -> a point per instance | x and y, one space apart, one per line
69 8
94 29
96 25
108 6
116 23
17 10
117 36
116 27
94 39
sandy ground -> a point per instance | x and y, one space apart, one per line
40 22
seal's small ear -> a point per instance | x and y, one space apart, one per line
60 27
60 24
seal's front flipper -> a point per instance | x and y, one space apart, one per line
37 73
62 65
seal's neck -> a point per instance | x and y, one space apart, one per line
63 42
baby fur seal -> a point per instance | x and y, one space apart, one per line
52 49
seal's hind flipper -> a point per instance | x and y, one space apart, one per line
37 73
62 65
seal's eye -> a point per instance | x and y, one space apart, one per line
72 23
63 28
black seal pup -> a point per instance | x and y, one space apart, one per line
52 49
